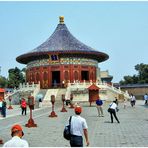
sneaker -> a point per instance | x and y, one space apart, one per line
102 116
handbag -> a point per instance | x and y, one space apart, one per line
66 132
109 110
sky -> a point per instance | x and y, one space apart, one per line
118 28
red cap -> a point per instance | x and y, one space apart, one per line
16 127
78 109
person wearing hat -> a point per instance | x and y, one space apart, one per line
16 141
78 127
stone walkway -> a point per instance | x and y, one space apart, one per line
131 132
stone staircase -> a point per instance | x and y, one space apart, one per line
58 99
59 94
43 93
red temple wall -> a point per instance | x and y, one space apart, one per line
69 72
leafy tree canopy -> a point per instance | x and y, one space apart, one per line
3 82
16 76
140 78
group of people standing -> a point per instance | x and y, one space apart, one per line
3 106
113 108
133 99
78 124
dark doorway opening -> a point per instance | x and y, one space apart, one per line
85 75
55 78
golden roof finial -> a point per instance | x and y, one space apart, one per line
61 19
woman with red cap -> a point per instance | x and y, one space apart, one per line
16 141
77 128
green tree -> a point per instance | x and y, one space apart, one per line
15 77
3 82
140 78
127 80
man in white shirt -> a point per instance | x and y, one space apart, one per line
113 109
16 141
78 127
133 100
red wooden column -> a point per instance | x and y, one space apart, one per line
41 76
62 71
49 77
71 73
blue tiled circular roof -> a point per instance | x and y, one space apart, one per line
62 42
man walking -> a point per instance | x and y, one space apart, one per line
78 127
99 104
16 141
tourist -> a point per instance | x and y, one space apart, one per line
113 108
133 100
4 106
23 106
99 104
124 103
146 98
16 141
78 127
1 102
63 84
40 103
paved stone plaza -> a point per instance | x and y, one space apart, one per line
131 132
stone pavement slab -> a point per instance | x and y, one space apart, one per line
131 132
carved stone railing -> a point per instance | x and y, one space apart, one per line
80 88
25 87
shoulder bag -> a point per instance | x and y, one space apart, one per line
66 132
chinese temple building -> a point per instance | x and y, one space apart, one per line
60 59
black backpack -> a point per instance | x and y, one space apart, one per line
66 132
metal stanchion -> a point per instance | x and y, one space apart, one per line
10 107
52 114
63 100
31 106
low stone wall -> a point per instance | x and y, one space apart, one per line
139 92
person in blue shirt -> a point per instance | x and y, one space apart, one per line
99 104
